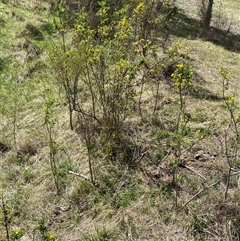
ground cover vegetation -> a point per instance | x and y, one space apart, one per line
119 120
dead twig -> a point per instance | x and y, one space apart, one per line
121 182
79 175
141 157
193 170
207 187
202 190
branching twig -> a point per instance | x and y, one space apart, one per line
207 187
199 192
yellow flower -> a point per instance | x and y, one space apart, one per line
224 73
231 100
139 8
180 65
51 236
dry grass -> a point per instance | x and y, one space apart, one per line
143 206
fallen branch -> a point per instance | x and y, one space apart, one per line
235 173
121 182
79 175
141 157
193 170
202 190
207 187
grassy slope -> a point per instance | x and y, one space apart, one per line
146 209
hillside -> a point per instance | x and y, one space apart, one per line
119 123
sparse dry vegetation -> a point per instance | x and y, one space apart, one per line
118 124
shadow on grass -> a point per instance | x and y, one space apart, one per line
202 93
199 92
189 28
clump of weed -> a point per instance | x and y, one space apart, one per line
103 233
7 216
83 195
45 232
4 147
26 150
47 27
4 61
